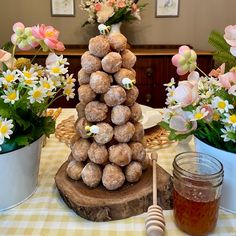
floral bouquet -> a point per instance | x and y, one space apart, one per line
110 12
27 89
204 105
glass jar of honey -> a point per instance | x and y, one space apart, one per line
197 180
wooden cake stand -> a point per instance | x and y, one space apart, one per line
99 204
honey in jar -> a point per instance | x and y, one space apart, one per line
197 180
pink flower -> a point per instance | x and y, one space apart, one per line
48 37
181 122
105 13
6 58
18 28
186 92
134 7
218 71
51 59
209 109
98 7
23 37
232 90
228 79
185 60
230 38
121 4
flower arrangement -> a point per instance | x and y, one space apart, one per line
110 12
28 89
204 105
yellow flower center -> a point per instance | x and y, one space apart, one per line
67 91
198 116
4 129
29 81
221 104
232 118
216 117
56 70
46 85
9 78
27 74
49 34
11 96
37 94
40 73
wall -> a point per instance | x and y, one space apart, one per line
196 20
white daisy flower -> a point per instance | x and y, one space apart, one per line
69 92
37 94
221 105
171 83
47 83
207 94
28 74
37 67
29 77
199 114
11 96
56 80
56 69
170 101
230 119
70 80
9 77
5 129
62 61
229 134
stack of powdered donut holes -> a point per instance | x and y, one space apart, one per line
110 149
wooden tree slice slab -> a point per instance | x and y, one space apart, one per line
99 204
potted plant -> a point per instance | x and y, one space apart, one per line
205 106
26 91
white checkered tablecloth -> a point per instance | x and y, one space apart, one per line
45 213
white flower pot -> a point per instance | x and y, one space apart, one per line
228 159
19 174
115 28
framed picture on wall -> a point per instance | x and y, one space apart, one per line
63 7
167 8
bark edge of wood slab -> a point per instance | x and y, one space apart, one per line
99 204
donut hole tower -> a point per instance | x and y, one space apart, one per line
109 150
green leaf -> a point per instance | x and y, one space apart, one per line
4 67
8 46
222 54
5 110
217 40
22 140
24 121
164 125
49 125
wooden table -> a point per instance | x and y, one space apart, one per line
45 213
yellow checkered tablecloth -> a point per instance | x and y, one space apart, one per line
45 213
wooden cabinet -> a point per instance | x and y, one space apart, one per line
153 68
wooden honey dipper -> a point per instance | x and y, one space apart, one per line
155 222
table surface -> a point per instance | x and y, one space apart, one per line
46 214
